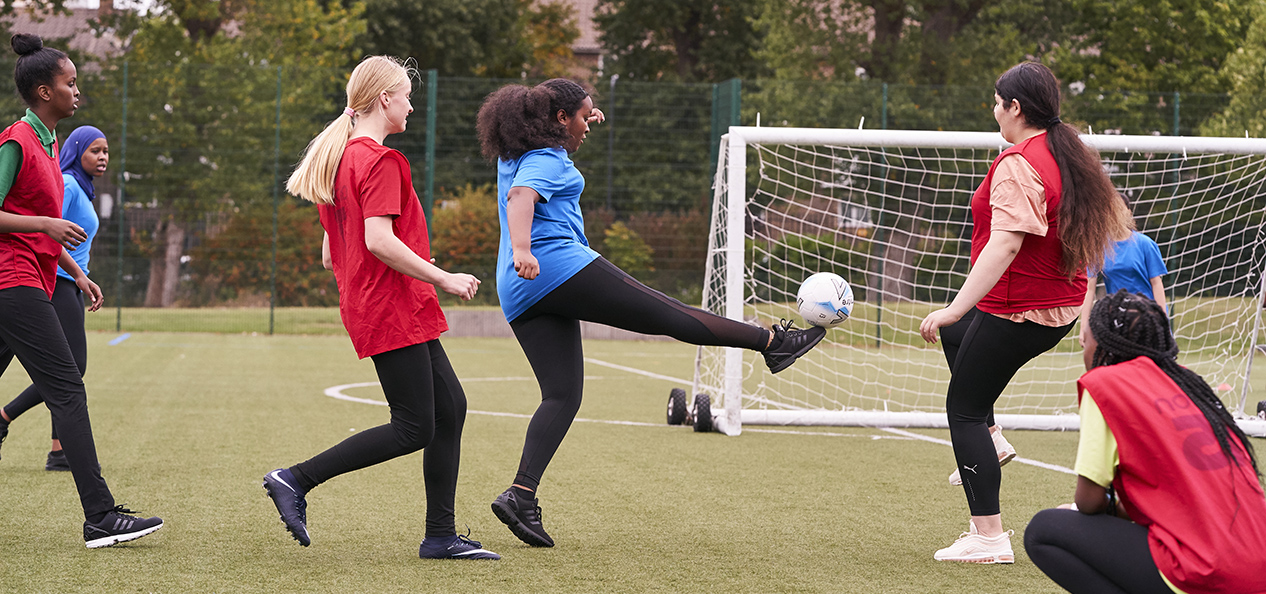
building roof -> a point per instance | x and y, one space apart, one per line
587 42
73 25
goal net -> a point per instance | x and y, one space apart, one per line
888 211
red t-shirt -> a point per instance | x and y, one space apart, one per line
1205 517
382 309
30 259
1035 279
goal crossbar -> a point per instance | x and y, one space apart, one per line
728 272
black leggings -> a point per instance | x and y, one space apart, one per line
428 410
549 332
1098 554
30 330
68 302
984 352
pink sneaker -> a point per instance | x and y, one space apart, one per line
973 547
1006 452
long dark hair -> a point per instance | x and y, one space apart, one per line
516 119
1127 326
1091 214
37 65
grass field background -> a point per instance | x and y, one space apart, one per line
187 425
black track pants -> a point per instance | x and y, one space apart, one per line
1097 554
428 410
68 302
984 352
30 330
549 332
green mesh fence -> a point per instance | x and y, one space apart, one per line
197 233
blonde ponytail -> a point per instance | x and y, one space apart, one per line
313 179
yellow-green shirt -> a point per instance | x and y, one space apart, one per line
1097 456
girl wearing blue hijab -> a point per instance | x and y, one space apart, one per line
84 156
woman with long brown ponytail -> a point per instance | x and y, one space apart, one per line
1045 212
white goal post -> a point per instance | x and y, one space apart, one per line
888 211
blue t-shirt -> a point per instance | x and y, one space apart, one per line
558 229
77 208
1132 265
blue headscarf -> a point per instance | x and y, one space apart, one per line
72 156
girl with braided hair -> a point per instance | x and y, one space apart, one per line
1157 447
549 280
1045 213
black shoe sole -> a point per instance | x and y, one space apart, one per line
507 517
109 541
785 363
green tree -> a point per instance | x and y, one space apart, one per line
684 40
1245 70
486 38
203 81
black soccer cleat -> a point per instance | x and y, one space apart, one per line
523 516
4 430
57 462
119 527
790 344
291 504
454 547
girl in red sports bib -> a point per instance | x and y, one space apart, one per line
33 242
1157 447
1045 212
376 243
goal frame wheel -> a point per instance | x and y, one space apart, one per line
677 409
702 413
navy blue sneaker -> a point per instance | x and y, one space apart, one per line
523 516
119 527
454 547
790 344
289 499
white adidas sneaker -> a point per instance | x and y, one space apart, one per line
1006 452
973 547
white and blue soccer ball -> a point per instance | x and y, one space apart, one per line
825 299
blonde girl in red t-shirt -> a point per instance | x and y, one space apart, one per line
376 244
1045 212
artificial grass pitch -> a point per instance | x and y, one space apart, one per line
187 425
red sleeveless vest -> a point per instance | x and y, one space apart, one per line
1034 280
30 259
1205 517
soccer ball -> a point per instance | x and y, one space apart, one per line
825 300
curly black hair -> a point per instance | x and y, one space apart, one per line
516 119
1127 326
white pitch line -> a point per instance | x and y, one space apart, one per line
1030 462
337 392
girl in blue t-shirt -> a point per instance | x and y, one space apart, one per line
549 280
1135 265
84 156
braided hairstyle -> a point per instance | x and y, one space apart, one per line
1128 326
516 119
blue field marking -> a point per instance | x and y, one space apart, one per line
120 338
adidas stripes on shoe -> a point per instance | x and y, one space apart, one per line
523 517
118 526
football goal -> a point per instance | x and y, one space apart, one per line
888 211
